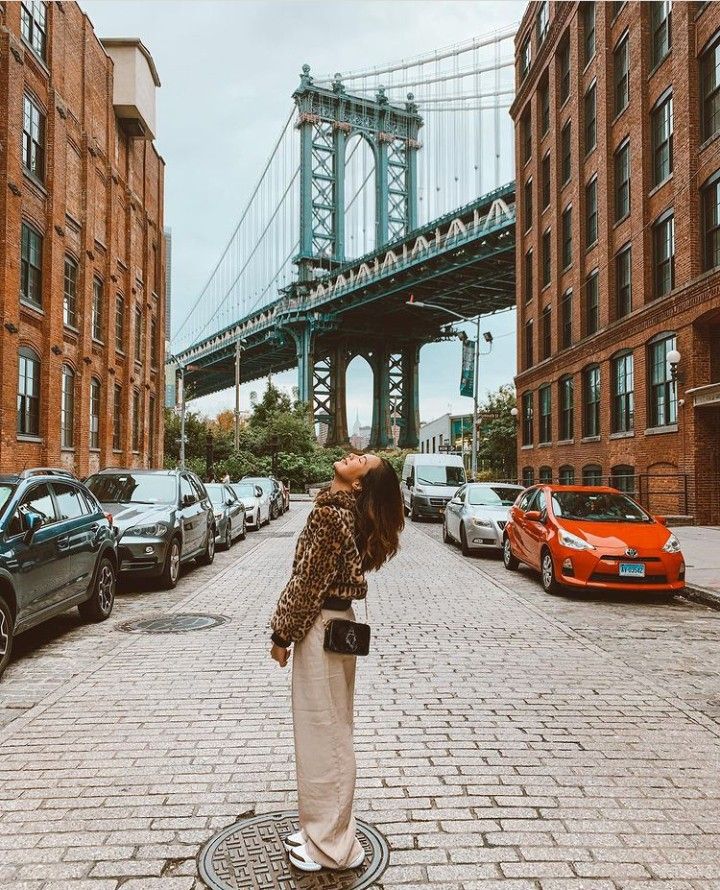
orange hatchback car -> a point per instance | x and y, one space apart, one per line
591 538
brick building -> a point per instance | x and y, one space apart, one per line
617 123
81 245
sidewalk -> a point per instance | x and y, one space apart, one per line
701 548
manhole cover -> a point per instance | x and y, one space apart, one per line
250 854
172 624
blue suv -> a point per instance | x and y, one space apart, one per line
57 550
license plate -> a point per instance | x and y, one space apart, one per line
632 569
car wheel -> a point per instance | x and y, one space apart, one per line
446 534
547 573
6 634
509 561
227 544
405 509
171 569
243 533
464 542
206 559
100 604
414 515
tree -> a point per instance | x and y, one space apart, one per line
497 434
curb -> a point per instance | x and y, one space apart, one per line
703 595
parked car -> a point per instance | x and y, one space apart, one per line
428 483
229 514
164 519
285 489
57 550
271 487
591 537
256 502
476 517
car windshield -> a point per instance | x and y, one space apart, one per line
133 488
244 491
5 495
440 474
492 496
265 484
217 493
597 507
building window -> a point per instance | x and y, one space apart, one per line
117 417
528 205
28 397
528 276
67 407
136 421
623 478
526 134
566 153
590 120
97 309
663 389
592 474
661 29
525 58
546 181
546 259
546 319
623 393
588 16
542 22
528 477
621 68
120 322
664 254
566 319
545 475
151 428
711 222
566 392
545 395
94 413
622 181
33 26
138 335
710 88
153 343
566 475
592 304
527 418
70 293
33 139
591 401
567 237
31 244
529 344
591 213
623 282
662 140
544 107
564 70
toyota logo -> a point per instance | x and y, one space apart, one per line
631 552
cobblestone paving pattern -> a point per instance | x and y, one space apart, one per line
505 739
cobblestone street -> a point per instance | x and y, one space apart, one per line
505 738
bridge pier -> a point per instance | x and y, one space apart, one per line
395 395
410 431
338 426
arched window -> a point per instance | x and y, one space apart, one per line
67 407
710 87
592 474
94 413
528 476
28 394
545 475
623 478
566 475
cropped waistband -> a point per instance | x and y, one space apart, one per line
337 603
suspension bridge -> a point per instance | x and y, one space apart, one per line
384 184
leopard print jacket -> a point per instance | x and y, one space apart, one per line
327 563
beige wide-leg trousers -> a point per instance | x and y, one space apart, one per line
323 686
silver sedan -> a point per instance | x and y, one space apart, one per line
476 516
229 514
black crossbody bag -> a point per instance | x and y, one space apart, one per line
346 637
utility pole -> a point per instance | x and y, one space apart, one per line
238 350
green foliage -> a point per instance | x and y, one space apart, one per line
497 455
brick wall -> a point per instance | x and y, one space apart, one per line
101 203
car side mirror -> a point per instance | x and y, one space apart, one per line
31 523
229 502
456 501
408 481
533 516
258 491
187 500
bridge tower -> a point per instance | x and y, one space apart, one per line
327 118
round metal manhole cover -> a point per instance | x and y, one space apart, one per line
249 855
173 624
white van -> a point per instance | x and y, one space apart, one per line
429 481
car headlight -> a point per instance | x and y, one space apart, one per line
154 530
672 545
218 514
482 523
572 541
420 490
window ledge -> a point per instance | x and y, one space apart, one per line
120 351
545 444
591 246
661 430
39 61
94 450
709 141
71 329
67 448
117 450
590 439
526 447
565 442
22 437
657 187
620 114
658 65
619 222
98 342
26 304
625 434
35 181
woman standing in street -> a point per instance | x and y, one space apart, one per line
353 527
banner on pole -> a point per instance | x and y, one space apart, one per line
467 373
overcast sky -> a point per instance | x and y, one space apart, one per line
227 71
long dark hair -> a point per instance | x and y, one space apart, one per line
380 516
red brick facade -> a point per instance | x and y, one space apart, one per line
670 455
98 204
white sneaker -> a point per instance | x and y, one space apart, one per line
358 861
293 841
300 858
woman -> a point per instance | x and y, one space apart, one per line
353 527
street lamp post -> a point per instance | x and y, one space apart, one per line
182 416
238 350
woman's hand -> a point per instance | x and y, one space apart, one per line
280 654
